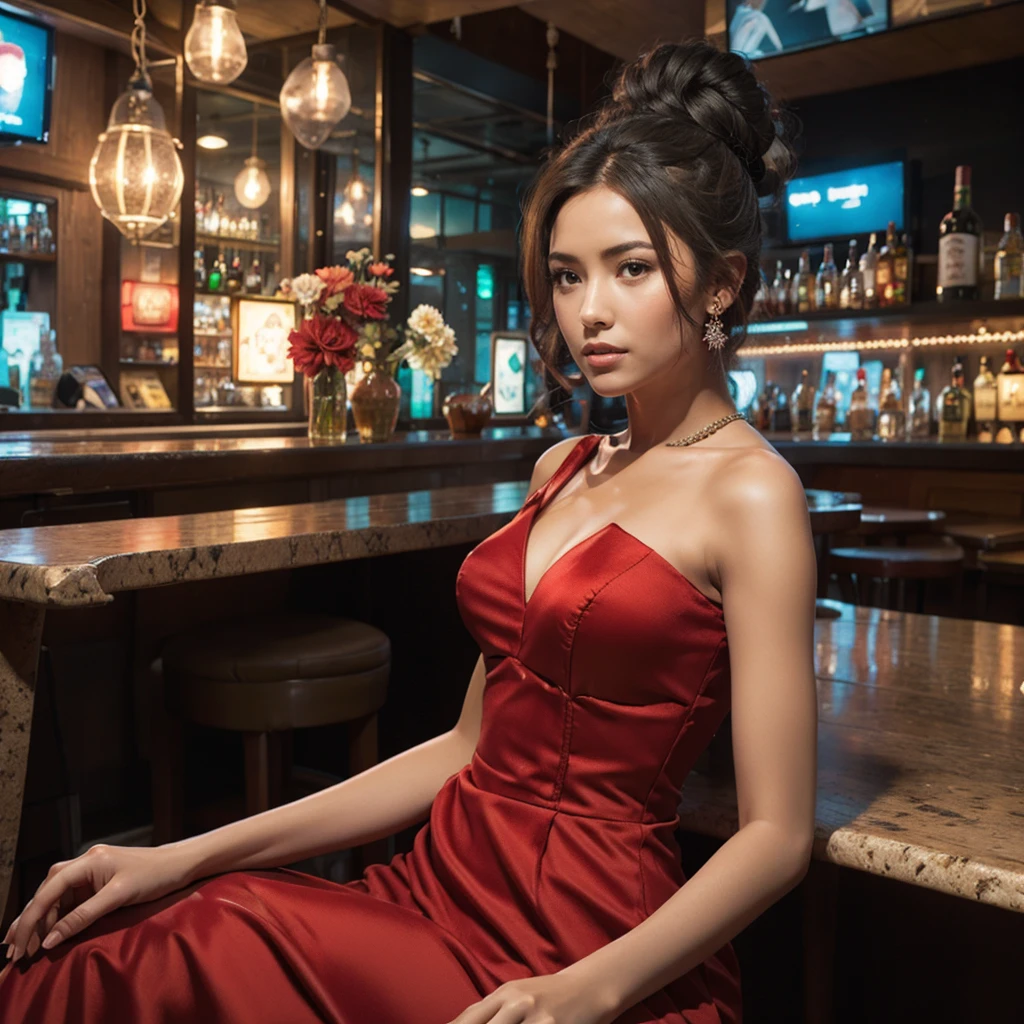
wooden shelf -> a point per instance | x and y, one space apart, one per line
227 242
915 312
28 257
927 47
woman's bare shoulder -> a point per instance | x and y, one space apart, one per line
550 459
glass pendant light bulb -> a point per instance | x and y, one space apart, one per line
135 173
214 47
252 186
315 97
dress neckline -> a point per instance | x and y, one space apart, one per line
571 465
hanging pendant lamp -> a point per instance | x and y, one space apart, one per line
214 47
316 95
135 174
252 186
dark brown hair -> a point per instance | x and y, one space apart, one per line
691 139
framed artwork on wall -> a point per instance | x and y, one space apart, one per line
260 326
510 365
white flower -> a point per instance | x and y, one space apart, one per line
434 356
307 288
425 319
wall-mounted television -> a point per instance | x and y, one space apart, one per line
26 79
764 28
841 204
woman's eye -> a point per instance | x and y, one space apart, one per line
638 267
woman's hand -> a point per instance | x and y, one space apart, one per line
562 998
77 892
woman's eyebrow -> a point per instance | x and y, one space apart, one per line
615 250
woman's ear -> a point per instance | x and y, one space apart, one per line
727 288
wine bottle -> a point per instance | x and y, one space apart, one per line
1010 400
954 407
859 419
960 245
827 283
1009 262
920 423
985 402
851 284
803 285
885 274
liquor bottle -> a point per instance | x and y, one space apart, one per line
5 236
859 419
46 243
235 278
920 423
199 264
869 272
885 273
902 271
826 291
45 370
954 407
780 291
759 307
1010 401
986 405
803 285
781 420
960 245
825 410
216 280
31 241
851 284
1009 262
802 405
254 279
765 403
891 418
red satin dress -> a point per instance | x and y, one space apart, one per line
557 838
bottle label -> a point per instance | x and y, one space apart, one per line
958 260
1011 397
984 403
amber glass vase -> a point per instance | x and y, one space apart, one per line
375 402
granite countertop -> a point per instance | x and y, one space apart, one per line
87 563
920 765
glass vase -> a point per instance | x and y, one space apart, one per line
325 399
375 402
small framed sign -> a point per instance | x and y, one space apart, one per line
510 364
260 326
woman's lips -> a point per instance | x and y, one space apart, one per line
603 359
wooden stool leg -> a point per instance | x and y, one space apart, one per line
362 754
274 775
257 773
167 776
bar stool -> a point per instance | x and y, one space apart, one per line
898 523
943 559
264 676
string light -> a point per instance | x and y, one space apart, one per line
980 337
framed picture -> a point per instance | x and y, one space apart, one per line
149 308
510 364
260 326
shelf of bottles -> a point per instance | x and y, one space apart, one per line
878 286
237 253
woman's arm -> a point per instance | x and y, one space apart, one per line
766 566
375 803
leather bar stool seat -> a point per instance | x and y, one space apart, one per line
264 676
940 558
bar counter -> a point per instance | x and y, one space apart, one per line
920 773
96 461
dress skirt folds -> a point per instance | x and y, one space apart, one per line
558 837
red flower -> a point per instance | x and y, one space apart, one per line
336 279
380 270
322 341
366 301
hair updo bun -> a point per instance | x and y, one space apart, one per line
692 140
717 92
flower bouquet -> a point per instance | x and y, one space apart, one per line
340 305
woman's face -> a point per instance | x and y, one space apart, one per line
609 289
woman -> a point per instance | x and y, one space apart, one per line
546 886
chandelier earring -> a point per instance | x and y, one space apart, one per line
714 332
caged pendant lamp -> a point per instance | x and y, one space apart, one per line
214 47
252 185
316 95
135 174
